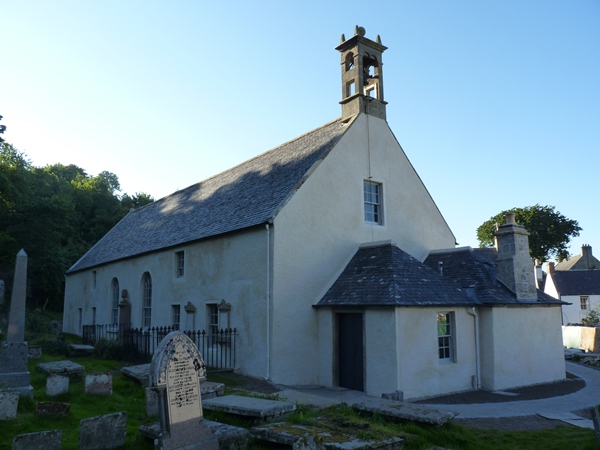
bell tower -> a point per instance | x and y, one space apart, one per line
362 75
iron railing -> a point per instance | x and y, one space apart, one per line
139 344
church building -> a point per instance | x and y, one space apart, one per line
333 262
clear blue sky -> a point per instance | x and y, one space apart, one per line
496 103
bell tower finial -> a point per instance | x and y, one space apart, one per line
362 75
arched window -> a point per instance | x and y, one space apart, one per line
146 300
114 289
349 61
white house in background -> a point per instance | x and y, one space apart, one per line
338 267
584 261
579 288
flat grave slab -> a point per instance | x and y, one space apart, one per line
65 367
249 406
405 411
140 372
81 349
103 432
228 436
302 436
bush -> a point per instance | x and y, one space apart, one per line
35 322
54 346
109 349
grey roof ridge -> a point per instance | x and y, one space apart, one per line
312 168
438 251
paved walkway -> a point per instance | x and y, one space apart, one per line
553 406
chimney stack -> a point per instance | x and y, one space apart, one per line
514 266
550 267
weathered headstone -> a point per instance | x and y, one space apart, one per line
1 292
103 432
99 384
9 401
44 440
175 373
15 352
35 351
57 385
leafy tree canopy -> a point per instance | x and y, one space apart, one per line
56 213
549 231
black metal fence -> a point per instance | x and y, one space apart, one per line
139 344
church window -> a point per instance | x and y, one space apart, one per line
213 322
180 264
350 88
176 316
584 302
445 333
114 289
372 202
147 300
349 61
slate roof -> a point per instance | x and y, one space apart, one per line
583 262
577 282
245 196
385 275
474 269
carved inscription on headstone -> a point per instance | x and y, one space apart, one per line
183 387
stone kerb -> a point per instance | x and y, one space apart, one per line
98 384
176 370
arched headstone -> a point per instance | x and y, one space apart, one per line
175 373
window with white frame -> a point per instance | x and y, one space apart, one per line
179 264
176 316
212 314
445 332
146 300
584 302
372 200
114 289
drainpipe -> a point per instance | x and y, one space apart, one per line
477 363
268 375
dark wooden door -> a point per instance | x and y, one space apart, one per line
350 351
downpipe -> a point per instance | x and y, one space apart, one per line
477 363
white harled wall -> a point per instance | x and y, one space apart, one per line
535 331
321 227
232 268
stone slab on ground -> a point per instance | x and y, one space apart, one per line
44 440
140 372
315 401
98 383
405 411
55 410
570 418
228 436
257 408
65 367
81 349
307 437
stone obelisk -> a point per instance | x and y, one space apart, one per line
14 375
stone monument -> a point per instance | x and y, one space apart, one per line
1 292
14 375
175 374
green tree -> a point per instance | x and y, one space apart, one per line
549 231
56 213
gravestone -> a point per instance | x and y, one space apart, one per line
99 384
175 373
103 432
9 401
57 385
1 292
55 410
45 440
15 352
